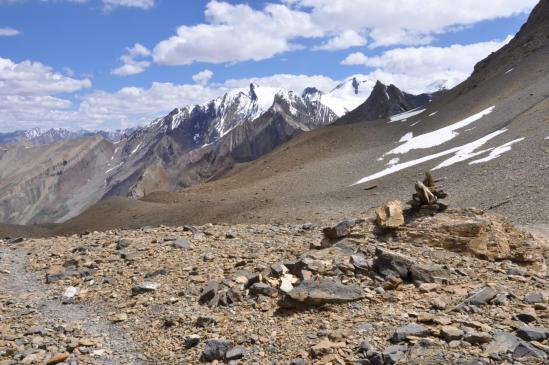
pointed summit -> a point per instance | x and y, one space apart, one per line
383 102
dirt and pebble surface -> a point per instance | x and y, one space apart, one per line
462 287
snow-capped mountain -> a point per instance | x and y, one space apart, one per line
44 136
204 139
348 95
383 102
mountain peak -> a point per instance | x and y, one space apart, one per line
383 102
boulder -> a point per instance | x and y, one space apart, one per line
388 264
482 296
411 329
533 333
215 350
263 289
325 291
389 215
340 230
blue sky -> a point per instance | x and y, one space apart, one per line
116 63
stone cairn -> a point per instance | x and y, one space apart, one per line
427 195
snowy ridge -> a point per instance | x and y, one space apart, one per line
348 95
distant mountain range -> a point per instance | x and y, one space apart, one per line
189 145
39 136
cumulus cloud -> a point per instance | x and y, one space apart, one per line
236 33
28 95
8 32
133 61
35 78
345 39
203 77
411 22
417 69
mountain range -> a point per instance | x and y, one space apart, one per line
66 171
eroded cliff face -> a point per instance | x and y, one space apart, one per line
52 182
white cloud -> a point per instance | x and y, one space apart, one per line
142 4
27 95
236 33
417 69
8 32
203 77
346 39
34 78
133 61
411 22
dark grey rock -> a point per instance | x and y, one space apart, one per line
533 333
475 337
394 353
360 263
527 316
525 350
325 291
191 341
159 272
204 321
145 287
209 292
263 289
340 230
235 353
278 269
376 358
411 329
16 240
55 276
428 274
389 264
123 243
215 350
536 298
482 296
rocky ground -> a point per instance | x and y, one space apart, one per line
461 286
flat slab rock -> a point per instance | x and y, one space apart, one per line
325 291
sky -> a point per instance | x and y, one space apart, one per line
109 64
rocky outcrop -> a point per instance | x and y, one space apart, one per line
383 102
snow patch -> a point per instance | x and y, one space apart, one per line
433 113
498 151
461 153
136 148
439 136
407 137
114 168
393 161
402 117
510 70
